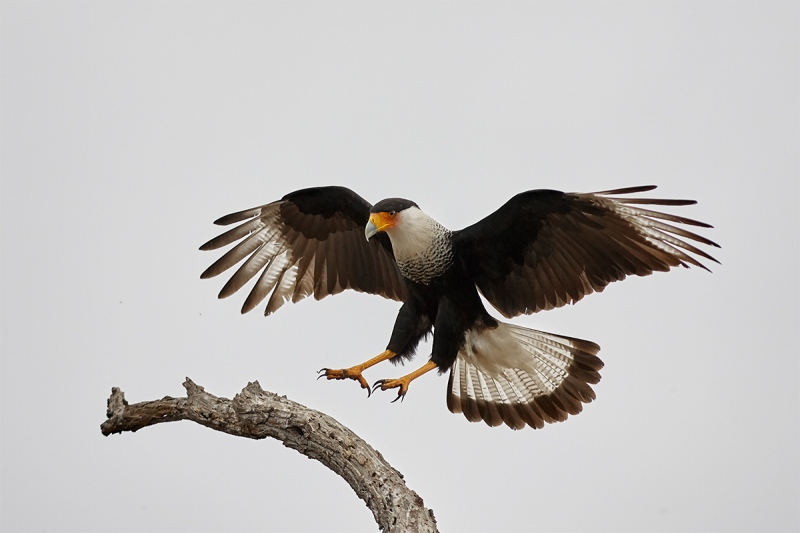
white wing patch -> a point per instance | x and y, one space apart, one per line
520 376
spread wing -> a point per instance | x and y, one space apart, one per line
310 242
544 249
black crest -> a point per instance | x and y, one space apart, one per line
392 204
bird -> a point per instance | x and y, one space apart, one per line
541 250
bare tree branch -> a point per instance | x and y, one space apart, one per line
257 414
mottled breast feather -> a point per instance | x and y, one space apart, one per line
432 262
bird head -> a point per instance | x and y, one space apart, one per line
387 215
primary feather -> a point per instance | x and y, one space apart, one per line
546 249
310 242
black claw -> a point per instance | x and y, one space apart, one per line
400 395
323 373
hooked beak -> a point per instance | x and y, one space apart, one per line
378 222
370 230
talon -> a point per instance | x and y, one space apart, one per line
354 372
386 384
330 373
346 373
377 384
403 382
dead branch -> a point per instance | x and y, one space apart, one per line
257 414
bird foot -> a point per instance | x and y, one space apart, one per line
354 372
401 383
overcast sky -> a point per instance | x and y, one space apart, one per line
128 127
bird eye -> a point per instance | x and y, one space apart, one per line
392 214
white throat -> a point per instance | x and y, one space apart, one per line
422 246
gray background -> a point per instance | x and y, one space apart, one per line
128 127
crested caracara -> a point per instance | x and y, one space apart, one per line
542 249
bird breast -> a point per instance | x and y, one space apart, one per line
423 249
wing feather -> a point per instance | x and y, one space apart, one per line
310 242
545 249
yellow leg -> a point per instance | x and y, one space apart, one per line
354 372
404 381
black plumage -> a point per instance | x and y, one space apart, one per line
542 249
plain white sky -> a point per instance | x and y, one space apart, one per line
128 127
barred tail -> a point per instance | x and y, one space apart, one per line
521 376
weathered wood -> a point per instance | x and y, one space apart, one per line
257 414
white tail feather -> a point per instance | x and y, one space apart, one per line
520 376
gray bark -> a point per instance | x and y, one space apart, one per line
257 414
